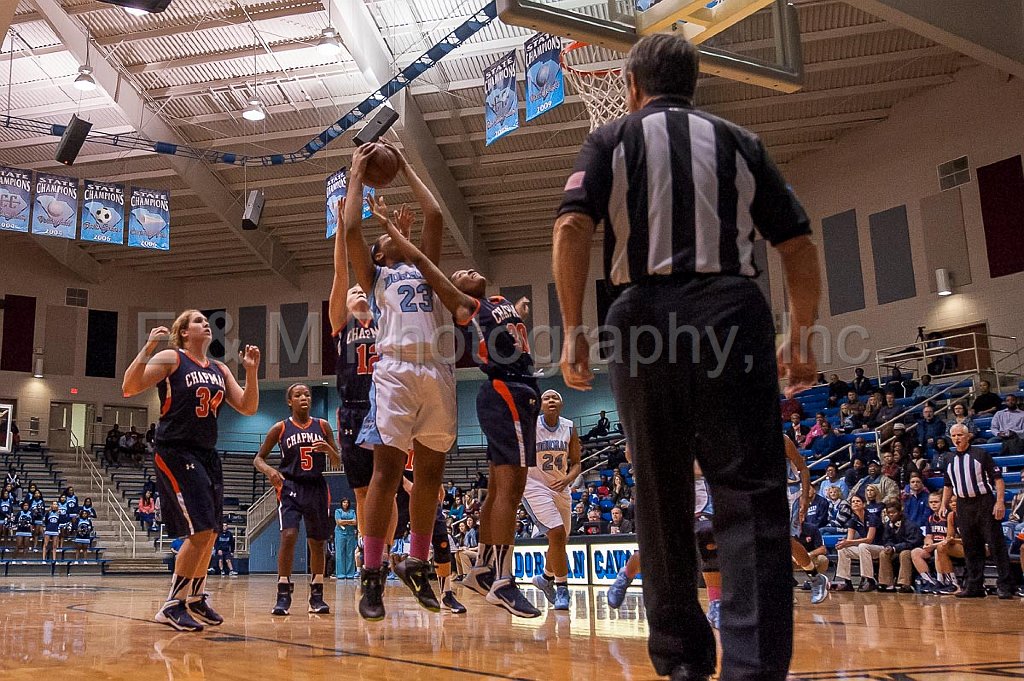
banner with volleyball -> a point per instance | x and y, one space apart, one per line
149 219
501 108
103 212
545 87
15 199
337 189
55 208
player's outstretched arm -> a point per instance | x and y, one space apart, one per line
245 401
260 462
462 306
148 369
433 220
355 242
337 309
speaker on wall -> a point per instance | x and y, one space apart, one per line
253 209
379 125
72 140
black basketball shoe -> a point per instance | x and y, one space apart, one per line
284 598
415 574
317 606
371 602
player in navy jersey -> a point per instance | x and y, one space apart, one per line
191 388
413 395
355 334
302 494
507 407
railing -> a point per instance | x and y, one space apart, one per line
125 523
258 515
97 481
598 453
926 351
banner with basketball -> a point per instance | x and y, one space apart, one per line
501 106
103 212
149 218
15 199
55 208
545 87
337 189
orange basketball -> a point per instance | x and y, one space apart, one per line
381 166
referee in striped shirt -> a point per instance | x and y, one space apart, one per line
694 370
973 476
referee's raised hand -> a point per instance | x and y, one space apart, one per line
796 365
576 361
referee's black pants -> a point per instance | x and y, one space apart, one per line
977 528
676 407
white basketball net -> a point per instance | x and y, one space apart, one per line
603 91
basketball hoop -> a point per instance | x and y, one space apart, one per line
603 91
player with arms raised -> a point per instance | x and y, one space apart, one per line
189 476
302 494
507 406
412 400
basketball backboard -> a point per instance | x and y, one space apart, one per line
617 24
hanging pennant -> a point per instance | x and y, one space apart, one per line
545 87
501 107
103 212
55 206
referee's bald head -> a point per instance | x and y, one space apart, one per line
661 65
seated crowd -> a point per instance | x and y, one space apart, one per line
876 502
35 525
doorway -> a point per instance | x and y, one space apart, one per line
69 424
124 417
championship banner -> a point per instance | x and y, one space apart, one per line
55 208
15 199
103 212
545 87
337 189
149 220
501 110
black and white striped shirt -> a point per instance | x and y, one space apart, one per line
680 191
972 473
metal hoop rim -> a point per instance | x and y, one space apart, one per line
582 72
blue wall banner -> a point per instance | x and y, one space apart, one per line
501 109
545 87
55 206
607 559
528 562
337 188
149 220
103 212
15 199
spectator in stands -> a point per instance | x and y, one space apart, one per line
795 431
15 438
628 509
860 382
127 445
71 500
814 432
942 456
578 518
38 508
13 480
832 479
887 488
854 402
112 445
224 550
986 403
817 509
345 531
837 390
23 529
523 531
481 481
618 524
472 537
147 512
87 506
458 509
603 490
1008 427
926 390
900 536
889 411
862 531
858 471
616 457
149 486
862 450
595 524
826 443
466 555
848 420
903 435
620 490
915 503
929 428
790 407
872 503
83 533
601 429
871 407
151 439
810 538
7 507
919 462
961 417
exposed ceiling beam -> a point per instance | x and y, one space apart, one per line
232 17
208 186
367 46
221 57
268 78
23 142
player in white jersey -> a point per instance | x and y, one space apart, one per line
547 497
412 399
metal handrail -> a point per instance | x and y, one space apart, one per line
126 525
257 515
604 449
84 460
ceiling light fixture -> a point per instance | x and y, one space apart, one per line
255 111
136 11
85 82
329 44
138 8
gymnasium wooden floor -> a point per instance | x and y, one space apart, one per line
100 628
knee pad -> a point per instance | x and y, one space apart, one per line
706 546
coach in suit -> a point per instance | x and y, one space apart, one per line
680 193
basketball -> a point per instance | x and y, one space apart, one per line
381 166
